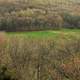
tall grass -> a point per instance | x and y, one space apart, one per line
42 59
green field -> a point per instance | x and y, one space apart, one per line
47 34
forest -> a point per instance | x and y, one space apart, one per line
24 15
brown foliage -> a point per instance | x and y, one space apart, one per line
42 58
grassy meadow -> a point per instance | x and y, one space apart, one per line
41 55
47 34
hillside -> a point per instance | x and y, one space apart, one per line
39 39
50 5
39 14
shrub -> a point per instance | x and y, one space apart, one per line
5 74
71 21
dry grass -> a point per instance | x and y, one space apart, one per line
44 59
2 37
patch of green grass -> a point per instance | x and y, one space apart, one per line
47 34
37 34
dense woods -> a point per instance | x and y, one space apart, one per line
25 15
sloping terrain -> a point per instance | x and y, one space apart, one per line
50 5
39 14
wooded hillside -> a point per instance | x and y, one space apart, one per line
39 14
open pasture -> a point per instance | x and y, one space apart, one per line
47 34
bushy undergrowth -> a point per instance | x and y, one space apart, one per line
42 59
6 74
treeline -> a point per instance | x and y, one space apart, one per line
29 20
22 17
